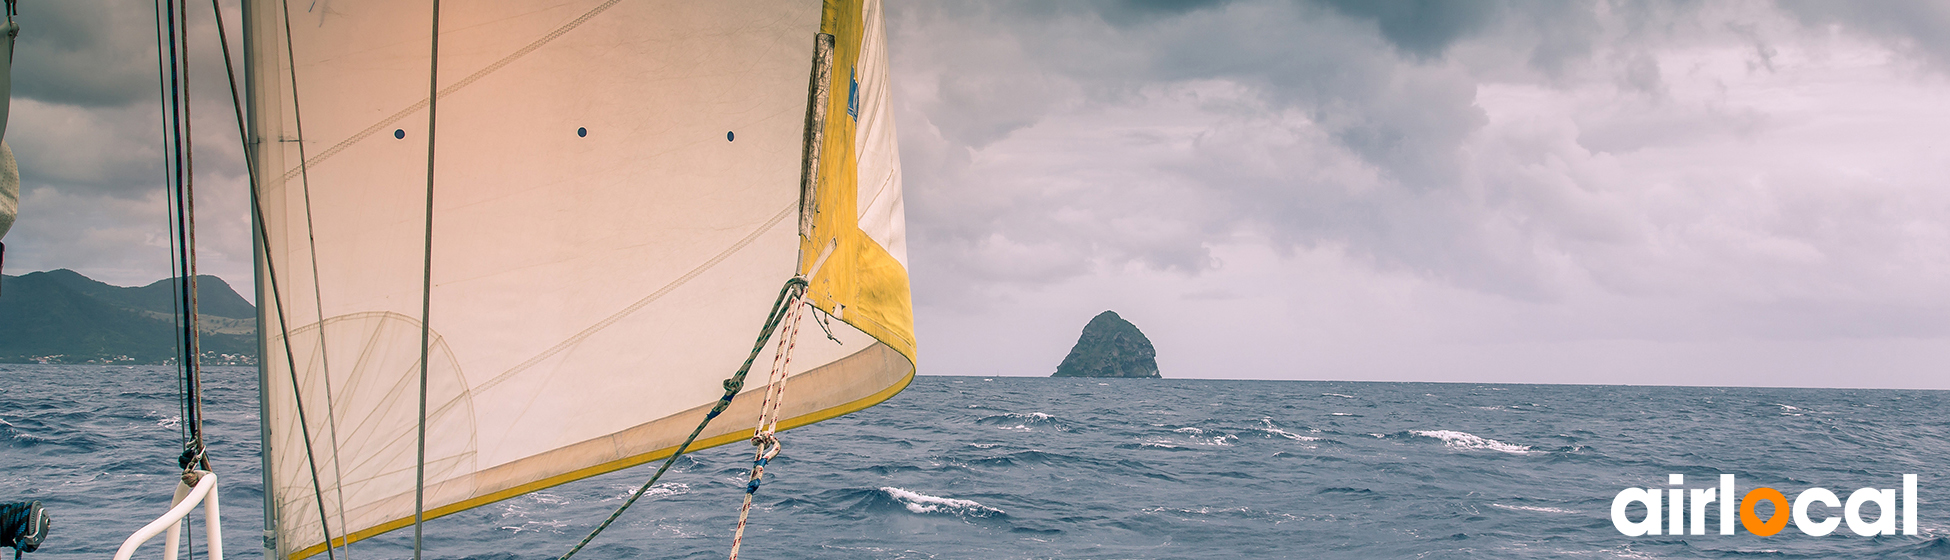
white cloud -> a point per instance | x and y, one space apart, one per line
1730 193
1671 183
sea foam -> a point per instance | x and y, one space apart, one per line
922 503
1539 509
1465 440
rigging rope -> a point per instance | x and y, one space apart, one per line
180 173
764 435
793 289
193 362
426 288
163 92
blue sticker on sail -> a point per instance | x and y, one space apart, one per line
581 132
399 133
728 136
853 95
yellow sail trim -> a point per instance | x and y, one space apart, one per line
862 283
612 466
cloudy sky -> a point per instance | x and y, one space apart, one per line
1719 193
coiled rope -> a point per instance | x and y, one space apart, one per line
788 295
764 435
22 526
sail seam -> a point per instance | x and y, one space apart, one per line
647 300
449 90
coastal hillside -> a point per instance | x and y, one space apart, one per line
60 316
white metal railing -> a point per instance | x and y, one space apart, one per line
185 500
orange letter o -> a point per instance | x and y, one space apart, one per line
1752 521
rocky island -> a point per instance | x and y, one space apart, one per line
1110 347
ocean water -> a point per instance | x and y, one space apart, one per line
1002 468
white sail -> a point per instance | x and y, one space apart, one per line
616 195
9 169
9 188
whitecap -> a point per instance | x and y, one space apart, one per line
1189 431
1465 440
1219 440
1268 427
922 503
1539 509
536 526
1337 395
1289 435
658 491
551 499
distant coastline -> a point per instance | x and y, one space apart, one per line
63 317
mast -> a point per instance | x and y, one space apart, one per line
253 144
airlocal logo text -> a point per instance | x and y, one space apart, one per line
1671 512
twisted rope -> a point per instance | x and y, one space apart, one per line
790 293
764 435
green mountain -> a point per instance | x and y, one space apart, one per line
60 316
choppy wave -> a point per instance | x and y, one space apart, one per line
922 503
1465 440
1025 422
1266 425
1539 509
1169 469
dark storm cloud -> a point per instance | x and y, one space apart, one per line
93 54
85 114
1921 27
1424 28
1045 141
1370 77
110 151
85 127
